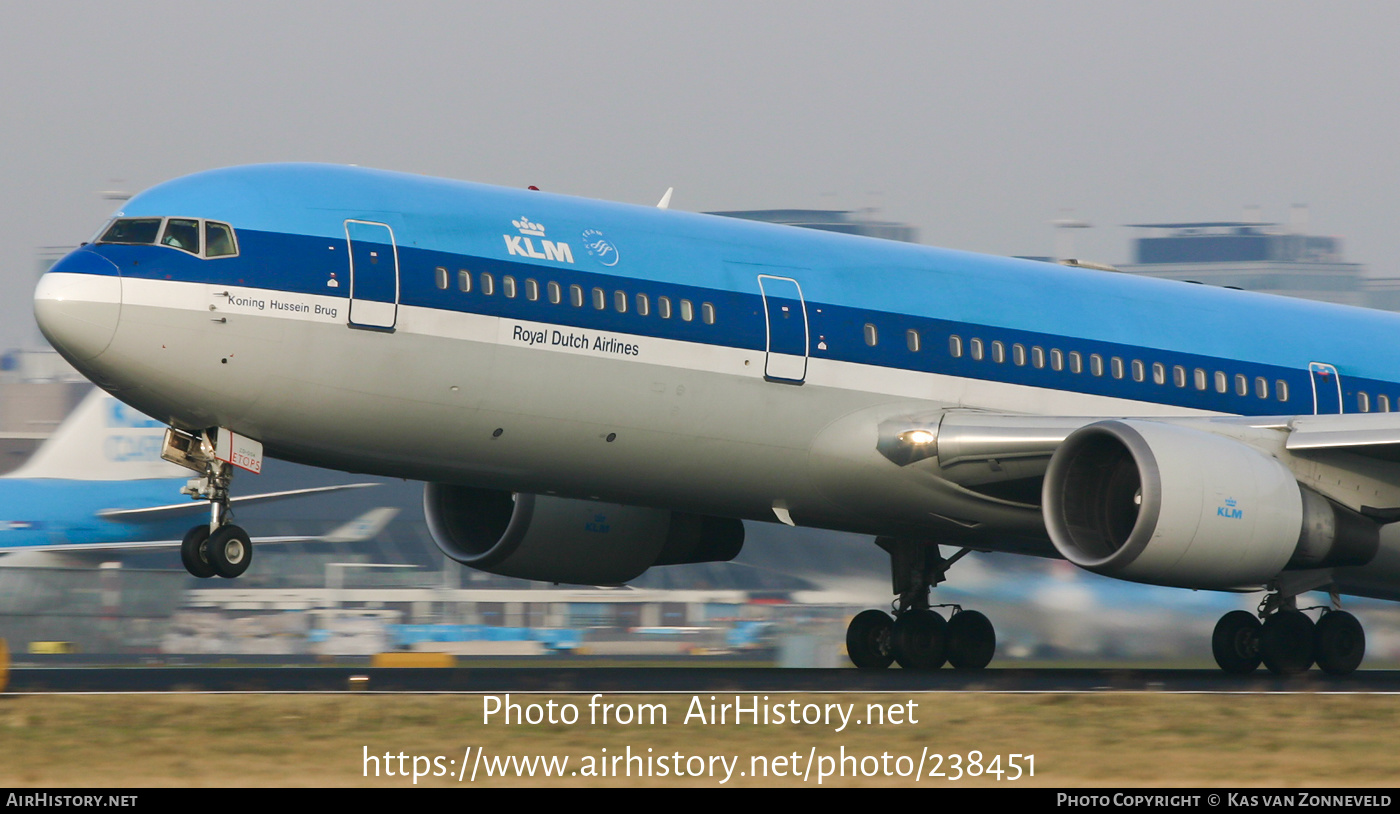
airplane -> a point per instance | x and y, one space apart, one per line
98 485
590 389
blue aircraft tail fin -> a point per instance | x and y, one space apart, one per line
102 439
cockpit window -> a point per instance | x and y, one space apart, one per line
140 231
181 234
218 240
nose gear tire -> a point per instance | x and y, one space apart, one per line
230 551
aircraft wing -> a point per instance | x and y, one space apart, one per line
974 448
363 527
1202 502
149 514
1375 435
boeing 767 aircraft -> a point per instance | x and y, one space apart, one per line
591 389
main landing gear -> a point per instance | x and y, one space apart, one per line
918 637
1288 641
219 548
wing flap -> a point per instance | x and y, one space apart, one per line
1376 435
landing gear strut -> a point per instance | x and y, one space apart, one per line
219 548
918 637
1288 642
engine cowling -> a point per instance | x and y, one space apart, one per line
1158 503
581 542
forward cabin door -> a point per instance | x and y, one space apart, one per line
785 315
374 275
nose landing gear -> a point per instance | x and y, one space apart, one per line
219 548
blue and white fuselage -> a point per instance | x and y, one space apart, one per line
498 342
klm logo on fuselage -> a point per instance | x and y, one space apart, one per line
1228 511
523 244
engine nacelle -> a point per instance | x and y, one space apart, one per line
582 542
1163 504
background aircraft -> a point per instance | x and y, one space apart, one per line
99 485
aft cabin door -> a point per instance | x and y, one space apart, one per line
1327 389
374 275
785 314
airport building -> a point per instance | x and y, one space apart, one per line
1255 256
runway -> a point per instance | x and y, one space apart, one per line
676 679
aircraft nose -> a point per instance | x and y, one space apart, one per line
78 303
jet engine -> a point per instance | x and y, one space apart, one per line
582 542
1158 503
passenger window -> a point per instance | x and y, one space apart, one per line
464 280
977 350
600 299
1159 373
1076 362
1037 357
1115 365
998 352
620 302
1139 371
870 335
643 305
488 284
440 274
508 286
181 234
218 240
955 346
576 295
1095 364
135 231
911 338
1222 382
1241 384
663 307
1383 403
1281 390
707 313
1179 375
556 293
687 310
1200 377
1261 387
1057 360
532 289
1018 354
1363 402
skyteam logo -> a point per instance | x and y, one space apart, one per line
600 247
523 244
122 443
1229 511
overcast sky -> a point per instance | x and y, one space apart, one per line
976 122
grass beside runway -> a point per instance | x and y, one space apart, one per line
1077 740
